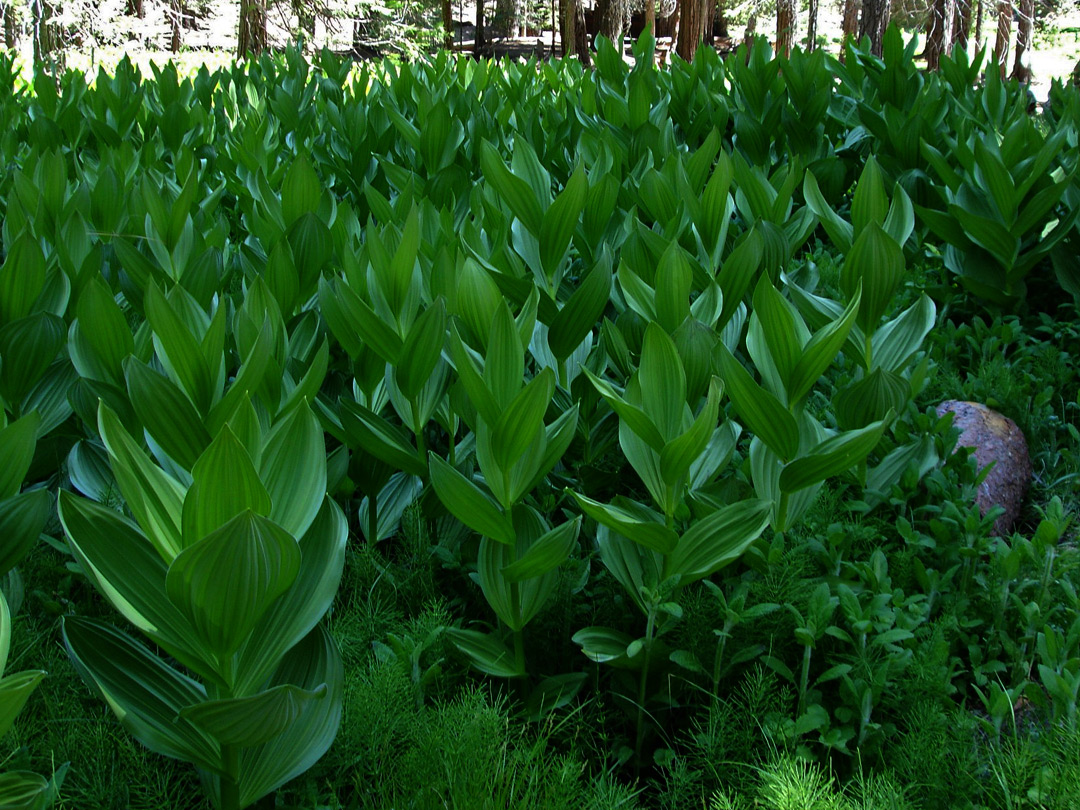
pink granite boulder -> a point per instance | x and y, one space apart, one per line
995 439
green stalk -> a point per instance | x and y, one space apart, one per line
781 512
230 785
804 680
717 660
519 638
650 628
373 520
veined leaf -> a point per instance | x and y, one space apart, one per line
679 455
522 419
17 443
387 442
717 540
227 581
293 468
662 381
485 652
422 349
582 312
831 457
467 503
225 484
655 536
761 412
546 554
253 720
821 350
877 263
634 417
560 220
167 413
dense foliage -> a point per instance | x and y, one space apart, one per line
618 382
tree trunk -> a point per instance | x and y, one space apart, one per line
511 17
962 30
785 26
251 36
478 37
849 25
875 19
612 21
1004 34
581 33
979 26
448 24
691 27
7 11
46 38
938 31
811 26
135 9
751 30
1022 62
176 18
305 17
650 16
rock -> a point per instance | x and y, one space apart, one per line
994 438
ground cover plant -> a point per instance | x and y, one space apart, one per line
513 435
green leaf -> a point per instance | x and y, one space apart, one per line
253 720
821 350
634 417
515 192
356 319
485 652
17 443
839 230
154 497
290 620
309 664
145 694
662 381
167 413
560 220
780 327
762 412
28 348
22 519
673 281
877 262
293 468
869 204
602 644
546 554
301 191
504 366
24 790
178 350
227 581
737 273
679 455
104 330
15 690
895 341
871 398
468 504
225 484
831 457
385 441
717 540
581 313
655 536
422 349
522 420
22 278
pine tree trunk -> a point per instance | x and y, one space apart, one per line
875 19
7 11
46 39
510 16
962 30
478 37
612 19
650 16
938 31
979 26
581 34
691 27
785 26
811 26
448 24
251 36
176 18
1022 62
849 25
135 9
1004 34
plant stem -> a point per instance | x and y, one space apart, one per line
373 520
650 628
804 681
230 785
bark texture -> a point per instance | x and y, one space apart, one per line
849 26
1024 27
875 19
811 25
612 16
938 31
1004 34
46 35
176 19
251 36
692 21
785 26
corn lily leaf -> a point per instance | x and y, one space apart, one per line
679 455
831 457
226 582
634 417
579 314
717 540
761 412
522 420
468 503
603 644
560 220
166 413
29 346
253 720
293 468
17 443
545 554
25 790
380 438
486 653
146 695
652 535
422 349
105 336
178 350
821 350
22 519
